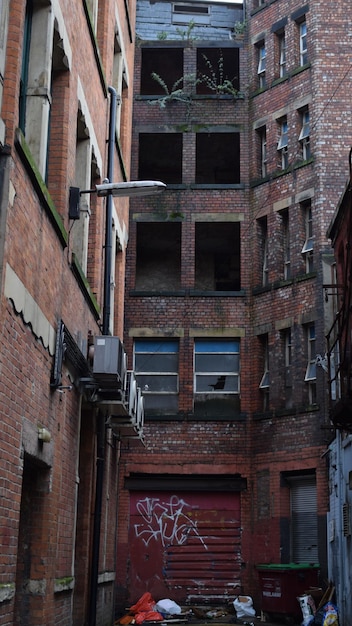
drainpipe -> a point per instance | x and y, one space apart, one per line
105 331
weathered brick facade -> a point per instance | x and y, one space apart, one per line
49 486
279 439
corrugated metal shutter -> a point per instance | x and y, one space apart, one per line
187 544
304 520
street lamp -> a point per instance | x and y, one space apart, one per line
133 188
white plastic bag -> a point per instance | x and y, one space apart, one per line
168 607
243 606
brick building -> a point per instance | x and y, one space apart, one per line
240 111
64 66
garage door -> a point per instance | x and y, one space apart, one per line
184 545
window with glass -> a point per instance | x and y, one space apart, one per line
264 384
311 370
304 134
216 376
286 243
282 53
287 343
261 53
282 146
303 52
264 249
307 250
156 367
263 157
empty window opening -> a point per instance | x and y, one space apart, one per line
217 262
217 71
217 158
160 157
165 63
185 13
158 265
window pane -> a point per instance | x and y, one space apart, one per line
214 346
217 363
156 363
157 384
217 384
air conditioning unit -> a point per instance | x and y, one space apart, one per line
110 362
140 409
131 396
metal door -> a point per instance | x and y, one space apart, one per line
184 545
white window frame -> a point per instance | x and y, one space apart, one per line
303 51
147 352
304 134
287 337
263 152
286 243
282 53
261 64
226 377
282 146
264 384
311 370
308 246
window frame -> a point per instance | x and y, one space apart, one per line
282 145
281 36
303 50
263 152
311 370
155 347
304 136
203 346
308 246
261 67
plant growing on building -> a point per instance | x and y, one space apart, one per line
186 34
240 28
216 80
180 91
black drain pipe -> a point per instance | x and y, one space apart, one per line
105 331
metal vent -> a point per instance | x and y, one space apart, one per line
346 519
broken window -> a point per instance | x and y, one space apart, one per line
165 63
158 264
217 158
217 71
216 377
160 157
217 256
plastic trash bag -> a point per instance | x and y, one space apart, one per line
243 606
168 607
